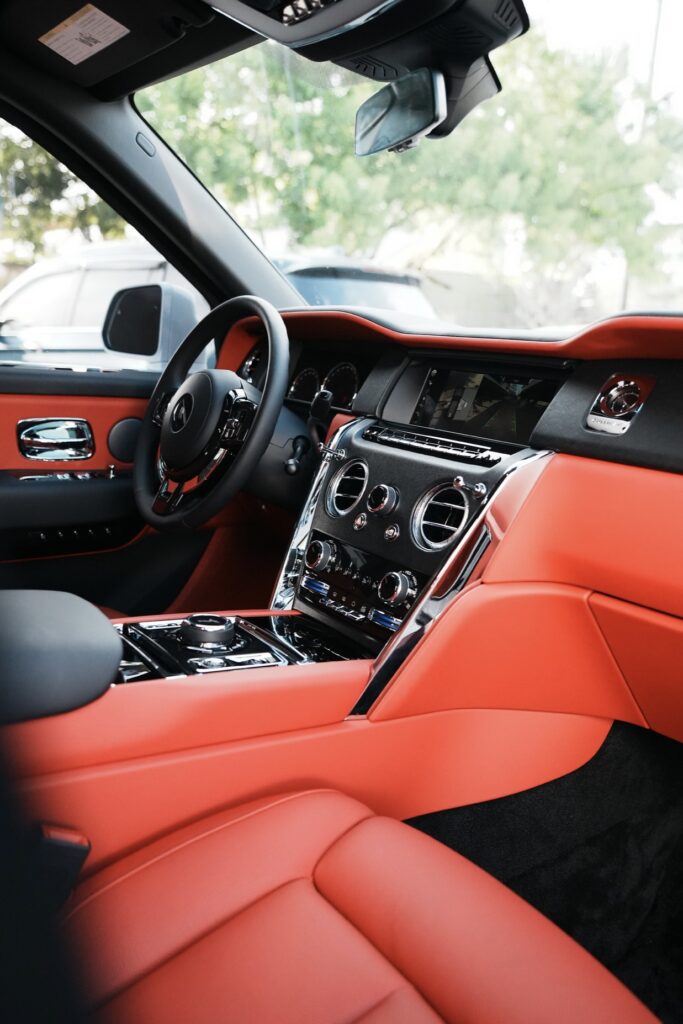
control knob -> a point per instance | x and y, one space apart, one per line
382 500
211 632
320 554
478 491
397 587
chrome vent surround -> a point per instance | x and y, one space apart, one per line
346 488
439 517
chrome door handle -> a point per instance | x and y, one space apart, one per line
55 440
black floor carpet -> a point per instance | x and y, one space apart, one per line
600 852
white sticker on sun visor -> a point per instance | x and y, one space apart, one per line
84 34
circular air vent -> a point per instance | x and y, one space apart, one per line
346 488
439 516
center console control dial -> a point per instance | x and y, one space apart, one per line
320 555
208 632
397 587
382 499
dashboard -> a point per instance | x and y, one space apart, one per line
438 425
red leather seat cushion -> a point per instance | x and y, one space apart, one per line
307 908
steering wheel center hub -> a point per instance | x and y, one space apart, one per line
190 423
204 433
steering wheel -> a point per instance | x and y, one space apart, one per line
203 434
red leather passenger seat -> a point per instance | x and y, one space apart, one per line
308 909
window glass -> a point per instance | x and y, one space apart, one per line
42 302
63 255
555 203
97 289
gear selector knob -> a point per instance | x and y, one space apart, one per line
207 631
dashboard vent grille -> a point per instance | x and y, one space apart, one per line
478 454
439 517
347 488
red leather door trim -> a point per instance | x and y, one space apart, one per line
101 412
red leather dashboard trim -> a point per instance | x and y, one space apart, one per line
242 557
623 337
649 649
535 647
100 411
599 526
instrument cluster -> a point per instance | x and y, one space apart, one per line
339 368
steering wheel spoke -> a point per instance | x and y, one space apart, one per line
238 415
168 496
204 432
161 404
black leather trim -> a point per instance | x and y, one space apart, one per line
38 379
652 440
57 651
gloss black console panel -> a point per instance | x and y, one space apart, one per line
349 588
390 509
157 649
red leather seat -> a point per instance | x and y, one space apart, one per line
308 908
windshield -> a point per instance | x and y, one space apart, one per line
555 204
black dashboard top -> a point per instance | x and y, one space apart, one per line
494 397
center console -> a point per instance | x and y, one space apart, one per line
204 644
399 497
398 492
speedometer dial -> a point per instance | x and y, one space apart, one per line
305 385
342 380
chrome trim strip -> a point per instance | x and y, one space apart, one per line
429 607
283 595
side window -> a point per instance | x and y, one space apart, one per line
97 288
63 255
45 301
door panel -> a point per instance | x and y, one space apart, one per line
101 413
83 534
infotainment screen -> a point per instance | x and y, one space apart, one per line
494 406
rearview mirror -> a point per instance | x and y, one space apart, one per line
149 320
398 116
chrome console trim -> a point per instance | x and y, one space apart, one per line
283 595
430 607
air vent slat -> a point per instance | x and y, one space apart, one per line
477 454
439 517
346 488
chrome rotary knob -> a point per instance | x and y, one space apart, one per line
397 587
320 554
209 632
382 500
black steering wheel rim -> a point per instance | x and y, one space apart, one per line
194 508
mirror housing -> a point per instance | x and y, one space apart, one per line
401 113
149 320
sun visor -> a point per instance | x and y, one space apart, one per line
115 46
